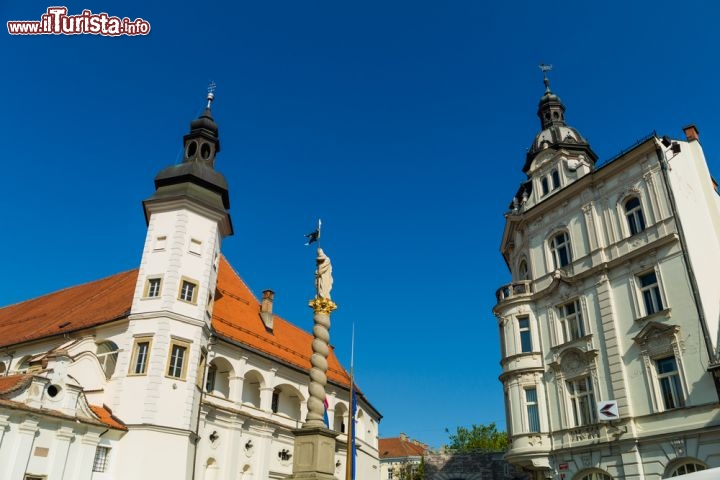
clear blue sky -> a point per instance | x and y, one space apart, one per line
402 124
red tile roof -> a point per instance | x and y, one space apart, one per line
68 310
11 383
399 447
105 416
236 316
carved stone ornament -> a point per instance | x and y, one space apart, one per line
679 447
572 363
322 305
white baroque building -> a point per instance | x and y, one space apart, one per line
609 328
173 370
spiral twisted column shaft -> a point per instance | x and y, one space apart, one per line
320 346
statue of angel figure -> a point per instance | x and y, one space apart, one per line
323 275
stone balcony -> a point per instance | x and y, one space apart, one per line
521 288
530 450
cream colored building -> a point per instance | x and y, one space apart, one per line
172 370
609 327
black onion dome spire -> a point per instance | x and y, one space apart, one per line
555 133
551 110
196 176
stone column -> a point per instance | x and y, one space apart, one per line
314 456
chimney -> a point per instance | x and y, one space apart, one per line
266 309
691 133
403 437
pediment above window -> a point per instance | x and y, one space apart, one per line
573 362
657 339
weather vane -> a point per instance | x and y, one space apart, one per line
211 93
545 68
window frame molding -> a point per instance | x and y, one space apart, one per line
518 338
658 341
138 339
572 364
195 293
527 424
179 342
146 288
561 319
641 311
105 459
553 260
625 214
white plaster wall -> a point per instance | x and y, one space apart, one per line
697 204
595 219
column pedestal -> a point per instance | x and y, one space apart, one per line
314 454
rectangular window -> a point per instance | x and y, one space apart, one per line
152 287
102 454
669 380
582 399
177 360
525 338
188 291
571 320
195 246
650 292
160 242
531 403
560 250
140 357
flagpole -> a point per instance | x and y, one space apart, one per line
350 460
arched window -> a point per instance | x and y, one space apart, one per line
340 417
555 179
107 354
545 188
687 467
251 389
286 401
523 273
218 378
634 215
560 249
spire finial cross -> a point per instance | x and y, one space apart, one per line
211 93
545 68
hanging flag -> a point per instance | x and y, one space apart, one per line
354 450
325 415
314 236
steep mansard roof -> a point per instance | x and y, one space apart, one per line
236 317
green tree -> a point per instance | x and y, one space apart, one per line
478 438
411 471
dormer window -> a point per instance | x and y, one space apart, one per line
550 182
555 179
